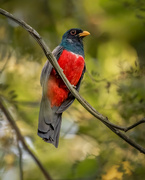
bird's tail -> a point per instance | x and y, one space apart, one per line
49 124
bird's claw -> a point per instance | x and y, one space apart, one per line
74 86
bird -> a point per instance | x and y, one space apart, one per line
56 97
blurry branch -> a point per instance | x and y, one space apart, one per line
93 79
20 160
82 101
5 64
21 138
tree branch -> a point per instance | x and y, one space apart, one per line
20 160
21 138
54 63
82 101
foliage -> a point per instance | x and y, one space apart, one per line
114 84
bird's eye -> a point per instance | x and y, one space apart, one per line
73 32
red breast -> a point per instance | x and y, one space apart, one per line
72 65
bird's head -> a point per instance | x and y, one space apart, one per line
74 35
72 40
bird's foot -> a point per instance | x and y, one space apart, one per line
74 86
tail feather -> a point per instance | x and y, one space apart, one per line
52 135
45 115
49 124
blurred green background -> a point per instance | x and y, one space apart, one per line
114 84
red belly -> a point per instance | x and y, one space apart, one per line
72 66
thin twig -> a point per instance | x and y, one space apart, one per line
20 160
21 138
82 101
135 124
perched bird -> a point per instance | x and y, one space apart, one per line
56 97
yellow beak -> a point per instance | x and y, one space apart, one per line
84 33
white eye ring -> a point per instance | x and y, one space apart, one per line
73 32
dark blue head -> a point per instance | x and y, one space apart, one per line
72 40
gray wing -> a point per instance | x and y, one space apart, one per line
70 98
48 67
46 114
57 51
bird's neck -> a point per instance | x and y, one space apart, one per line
73 46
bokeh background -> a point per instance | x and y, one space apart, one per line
114 84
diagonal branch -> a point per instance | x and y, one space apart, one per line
21 138
54 63
82 101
